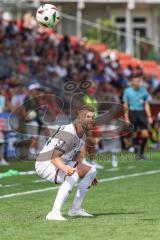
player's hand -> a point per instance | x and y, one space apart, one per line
127 120
94 182
69 170
150 120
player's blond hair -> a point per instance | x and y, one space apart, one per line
86 108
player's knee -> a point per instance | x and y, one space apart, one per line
73 179
145 134
92 172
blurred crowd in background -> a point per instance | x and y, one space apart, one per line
34 61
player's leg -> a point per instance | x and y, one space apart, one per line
135 142
48 171
144 134
133 116
65 190
144 138
82 171
87 175
61 197
45 169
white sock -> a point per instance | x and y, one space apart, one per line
83 188
64 191
114 160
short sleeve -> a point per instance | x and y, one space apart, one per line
146 95
65 141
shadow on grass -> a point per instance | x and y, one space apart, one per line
117 213
104 214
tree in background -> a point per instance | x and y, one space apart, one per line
105 32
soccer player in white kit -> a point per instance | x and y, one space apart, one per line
60 161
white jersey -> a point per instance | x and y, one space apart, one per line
64 139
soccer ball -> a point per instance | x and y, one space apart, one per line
47 15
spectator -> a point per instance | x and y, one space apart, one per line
3 162
2 100
47 58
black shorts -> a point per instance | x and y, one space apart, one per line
138 119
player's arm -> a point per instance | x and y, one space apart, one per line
80 155
125 101
148 112
126 115
57 161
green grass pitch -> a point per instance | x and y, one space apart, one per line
124 209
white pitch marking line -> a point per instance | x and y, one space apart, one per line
112 169
18 184
10 185
27 173
130 175
131 167
39 180
101 180
28 192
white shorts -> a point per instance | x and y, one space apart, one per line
46 170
